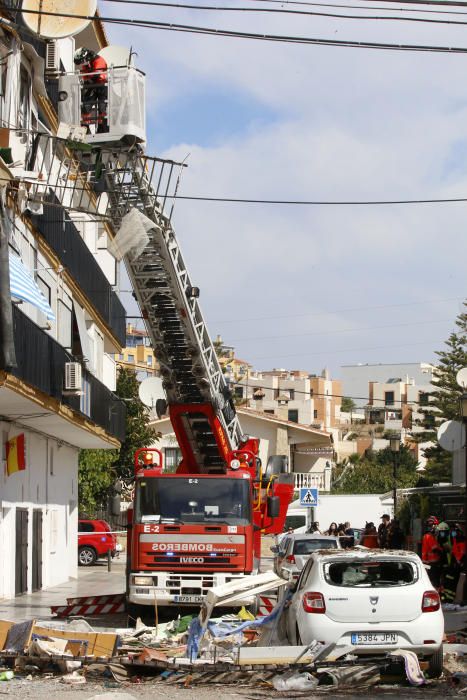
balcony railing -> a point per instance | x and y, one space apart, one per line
63 237
311 480
44 369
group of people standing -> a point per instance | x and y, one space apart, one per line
443 551
389 535
341 530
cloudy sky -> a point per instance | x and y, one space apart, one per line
314 286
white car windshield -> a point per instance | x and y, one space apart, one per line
370 573
303 547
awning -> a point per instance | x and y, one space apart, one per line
24 287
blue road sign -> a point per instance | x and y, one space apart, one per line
308 497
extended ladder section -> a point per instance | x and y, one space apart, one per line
110 183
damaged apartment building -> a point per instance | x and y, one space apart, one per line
61 318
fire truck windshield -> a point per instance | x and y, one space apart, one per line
193 500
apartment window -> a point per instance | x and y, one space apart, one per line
173 456
131 358
292 415
269 410
149 361
46 291
389 398
238 392
292 394
120 357
85 398
423 398
429 420
315 413
98 353
64 321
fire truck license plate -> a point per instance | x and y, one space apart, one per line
188 598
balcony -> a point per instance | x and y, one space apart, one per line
44 369
64 239
313 480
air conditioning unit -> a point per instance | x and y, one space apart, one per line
73 378
52 59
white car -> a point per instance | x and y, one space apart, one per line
372 600
295 550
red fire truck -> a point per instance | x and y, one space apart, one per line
191 531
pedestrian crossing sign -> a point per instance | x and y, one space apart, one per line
308 497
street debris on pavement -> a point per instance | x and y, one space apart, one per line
202 650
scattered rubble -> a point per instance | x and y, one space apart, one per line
203 650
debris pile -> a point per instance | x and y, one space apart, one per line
198 650
227 652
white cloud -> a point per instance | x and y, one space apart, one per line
346 124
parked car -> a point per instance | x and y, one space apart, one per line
94 541
295 550
372 600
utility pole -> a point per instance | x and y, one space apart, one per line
395 445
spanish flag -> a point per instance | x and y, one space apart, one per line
15 459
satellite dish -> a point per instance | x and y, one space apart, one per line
116 55
461 377
55 26
451 435
150 391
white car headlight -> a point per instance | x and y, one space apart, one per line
142 580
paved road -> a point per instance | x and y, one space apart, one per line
40 689
92 580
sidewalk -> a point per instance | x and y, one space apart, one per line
91 581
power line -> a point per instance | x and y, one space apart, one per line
285 202
268 10
339 330
311 393
308 202
287 39
308 3
441 3
339 311
334 350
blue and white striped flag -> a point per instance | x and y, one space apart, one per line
23 286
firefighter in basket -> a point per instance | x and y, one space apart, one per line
94 92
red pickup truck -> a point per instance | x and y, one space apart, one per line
94 541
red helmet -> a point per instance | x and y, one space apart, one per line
432 520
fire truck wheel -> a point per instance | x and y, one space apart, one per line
86 556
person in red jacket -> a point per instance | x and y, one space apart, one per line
458 544
93 69
432 551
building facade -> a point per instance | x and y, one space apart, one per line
62 321
296 396
356 378
138 353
